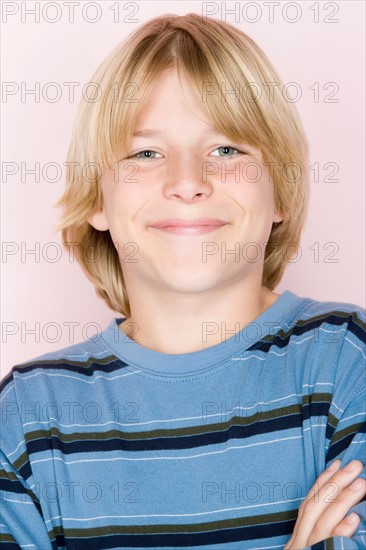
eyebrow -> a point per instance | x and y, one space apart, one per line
146 132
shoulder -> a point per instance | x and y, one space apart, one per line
336 322
78 360
309 313
330 341
312 308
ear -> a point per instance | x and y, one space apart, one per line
277 217
99 220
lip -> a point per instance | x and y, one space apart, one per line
188 229
199 223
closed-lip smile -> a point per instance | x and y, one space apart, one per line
181 222
181 226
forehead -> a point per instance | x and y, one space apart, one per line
170 96
172 106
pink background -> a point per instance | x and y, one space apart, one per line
49 295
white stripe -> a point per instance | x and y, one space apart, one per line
53 356
318 384
15 450
176 419
264 358
107 378
271 351
105 352
11 384
267 353
339 408
314 426
332 331
349 417
335 307
184 418
18 501
353 344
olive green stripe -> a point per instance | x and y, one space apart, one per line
180 528
323 316
353 429
23 459
8 475
12 477
7 538
317 397
62 360
343 314
333 420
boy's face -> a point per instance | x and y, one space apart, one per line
187 175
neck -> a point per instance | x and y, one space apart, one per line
180 323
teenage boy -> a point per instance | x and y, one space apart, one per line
205 416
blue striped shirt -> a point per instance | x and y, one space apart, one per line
109 444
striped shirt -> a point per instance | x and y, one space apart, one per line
109 444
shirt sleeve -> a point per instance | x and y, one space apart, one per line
348 442
22 524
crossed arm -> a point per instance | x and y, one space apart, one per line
320 518
324 514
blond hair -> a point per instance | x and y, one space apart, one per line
210 52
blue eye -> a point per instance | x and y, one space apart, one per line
141 153
227 147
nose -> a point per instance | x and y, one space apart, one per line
186 179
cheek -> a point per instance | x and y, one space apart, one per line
254 193
247 177
252 172
124 203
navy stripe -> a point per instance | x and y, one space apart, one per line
183 539
11 486
341 445
94 366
